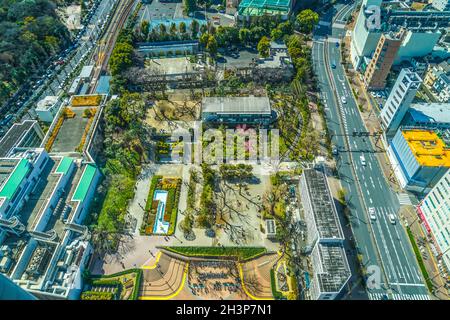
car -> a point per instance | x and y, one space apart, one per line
378 95
373 94
334 150
343 99
372 214
363 160
337 44
333 65
392 218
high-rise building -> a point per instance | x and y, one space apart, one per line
399 100
382 60
434 212
441 5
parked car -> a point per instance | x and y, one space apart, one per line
344 100
363 160
372 214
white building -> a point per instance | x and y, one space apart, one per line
86 73
441 5
399 100
47 108
434 211
330 269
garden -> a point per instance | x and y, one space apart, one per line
172 186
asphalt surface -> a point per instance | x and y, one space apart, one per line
384 246
52 85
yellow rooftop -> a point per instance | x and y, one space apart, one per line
428 148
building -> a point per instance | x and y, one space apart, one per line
47 108
441 5
86 73
428 116
238 110
399 100
382 60
434 211
330 269
75 86
249 9
168 48
442 87
434 71
420 158
21 135
423 30
43 202
11 291
271 229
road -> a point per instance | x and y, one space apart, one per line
383 244
51 85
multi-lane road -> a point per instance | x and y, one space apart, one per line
384 245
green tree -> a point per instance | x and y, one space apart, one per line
276 34
306 20
244 36
194 28
264 47
211 45
182 27
145 29
173 30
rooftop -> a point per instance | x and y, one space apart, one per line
428 147
260 7
46 103
15 179
334 271
86 71
85 183
13 136
430 112
64 165
325 215
233 105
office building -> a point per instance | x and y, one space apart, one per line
434 211
399 100
382 60
330 271
420 158
27 134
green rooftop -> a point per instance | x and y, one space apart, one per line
15 179
85 183
64 165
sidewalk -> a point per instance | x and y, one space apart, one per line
409 216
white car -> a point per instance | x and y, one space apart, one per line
372 214
363 160
392 218
343 100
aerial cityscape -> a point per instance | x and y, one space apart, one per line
252 150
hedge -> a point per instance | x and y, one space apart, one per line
420 260
276 294
104 279
94 295
244 253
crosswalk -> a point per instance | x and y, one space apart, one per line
404 199
398 296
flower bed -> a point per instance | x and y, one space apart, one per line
88 100
172 186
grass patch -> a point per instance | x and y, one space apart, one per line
242 253
420 260
115 281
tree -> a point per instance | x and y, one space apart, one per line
182 27
194 28
211 46
189 6
264 47
244 36
121 58
306 20
276 34
145 28
173 30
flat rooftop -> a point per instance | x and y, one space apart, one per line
16 177
428 147
325 215
430 112
85 183
335 271
260 7
13 136
236 105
